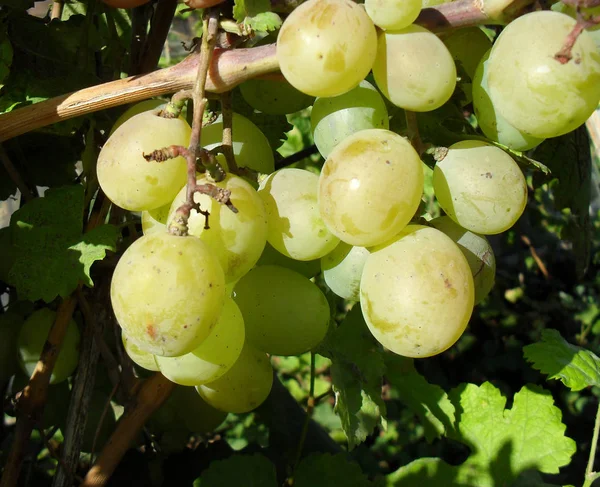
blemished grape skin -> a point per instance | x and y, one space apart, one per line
370 187
155 221
393 14
534 91
480 187
127 178
244 387
416 292
284 312
274 96
144 359
342 270
167 293
326 47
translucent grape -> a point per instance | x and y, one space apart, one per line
480 187
167 293
416 292
534 91
335 118
274 96
393 14
127 178
155 221
270 256
414 69
370 187
284 313
144 359
326 47
214 356
143 106
244 386
342 270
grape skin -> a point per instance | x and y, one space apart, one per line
393 14
270 256
143 106
155 221
274 96
137 355
342 270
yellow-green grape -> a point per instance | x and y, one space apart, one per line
295 227
155 221
270 256
326 47
236 239
284 312
342 269
480 187
143 106
32 338
478 252
416 292
491 122
335 118
533 90
167 293
414 69
144 359
244 386
370 187
393 14
274 96
214 356
129 180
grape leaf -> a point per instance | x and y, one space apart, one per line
256 14
326 470
574 366
51 253
264 22
356 373
247 470
422 472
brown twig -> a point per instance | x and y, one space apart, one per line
564 55
14 175
536 257
57 9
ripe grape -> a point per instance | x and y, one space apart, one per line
534 91
214 356
295 227
414 69
335 118
284 313
480 187
370 187
155 221
167 293
270 256
416 292
393 14
244 386
326 47
143 106
274 96
127 178
342 270
144 359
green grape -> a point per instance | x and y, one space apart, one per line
534 91
295 227
416 292
478 252
335 118
414 69
274 96
144 359
270 256
326 47
155 221
236 239
342 269
284 313
127 178
143 106
244 386
370 187
214 356
250 146
393 14
167 293
480 187
32 338
10 325
492 123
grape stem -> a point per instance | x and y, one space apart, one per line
227 143
564 55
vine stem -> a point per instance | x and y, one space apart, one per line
590 475
310 405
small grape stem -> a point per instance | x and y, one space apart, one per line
564 55
227 143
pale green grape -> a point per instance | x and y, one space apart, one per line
370 187
274 96
534 91
214 356
295 227
393 14
494 125
414 69
127 178
284 313
144 359
480 187
335 118
342 269
167 293
32 338
155 221
416 292
244 386
270 256
143 106
476 249
326 47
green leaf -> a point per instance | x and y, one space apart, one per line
326 470
249 8
422 472
356 373
574 366
264 22
250 471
